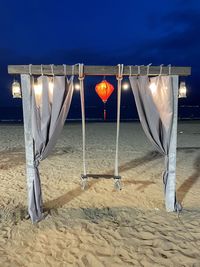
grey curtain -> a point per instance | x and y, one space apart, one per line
49 104
156 101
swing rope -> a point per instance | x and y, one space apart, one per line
81 78
119 78
119 86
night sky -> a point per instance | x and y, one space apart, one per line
102 33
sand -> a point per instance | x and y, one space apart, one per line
101 226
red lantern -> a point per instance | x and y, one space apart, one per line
104 90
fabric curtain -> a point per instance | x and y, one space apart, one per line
156 101
50 103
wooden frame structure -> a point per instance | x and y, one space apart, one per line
98 70
23 70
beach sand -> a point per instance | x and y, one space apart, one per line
101 226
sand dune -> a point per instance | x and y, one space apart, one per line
100 226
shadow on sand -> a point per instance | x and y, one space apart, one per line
190 181
74 193
16 157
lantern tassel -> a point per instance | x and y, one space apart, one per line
104 111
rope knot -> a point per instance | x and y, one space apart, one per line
120 72
81 78
37 161
81 72
119 78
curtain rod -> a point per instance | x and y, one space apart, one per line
98 70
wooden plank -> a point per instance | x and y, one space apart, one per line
98 70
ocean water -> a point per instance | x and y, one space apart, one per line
94 113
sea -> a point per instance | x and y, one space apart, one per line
94 113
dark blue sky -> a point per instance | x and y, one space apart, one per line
100 32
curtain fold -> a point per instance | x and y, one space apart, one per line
50 103
156 101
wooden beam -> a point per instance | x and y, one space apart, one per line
97 70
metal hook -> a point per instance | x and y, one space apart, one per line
81 76
170 69
161 66
138 70
130 71
65 72
73 70
52 71
148 67
120 70
42 70
30 69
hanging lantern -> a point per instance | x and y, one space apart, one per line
104 90
182 90
16 90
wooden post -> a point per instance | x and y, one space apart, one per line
35 204
34 190
170 192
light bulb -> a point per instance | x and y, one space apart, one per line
125 86
38 93
38 89
77 86
51 88
153 88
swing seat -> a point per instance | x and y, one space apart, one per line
100 176
117 179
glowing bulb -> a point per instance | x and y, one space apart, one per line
182 90
38 93
16 90
153 88
77 86
38 89
51 87
125 86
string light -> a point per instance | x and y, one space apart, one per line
125 86
77 86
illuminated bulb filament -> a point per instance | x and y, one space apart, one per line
38 89
51 87
125 86
153 88
38 93
77 86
